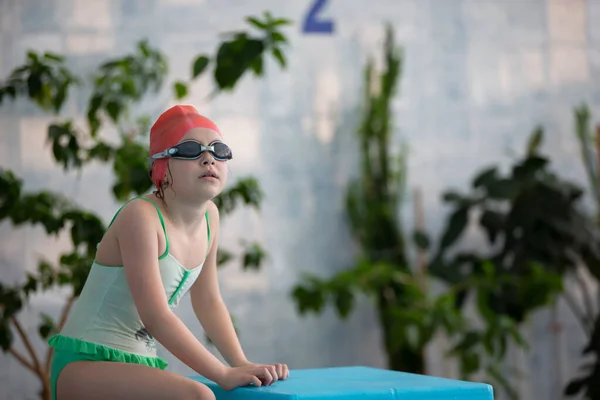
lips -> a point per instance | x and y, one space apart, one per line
209 174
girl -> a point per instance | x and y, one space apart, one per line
156 249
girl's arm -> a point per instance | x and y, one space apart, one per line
209 306
137 231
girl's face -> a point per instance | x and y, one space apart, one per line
203 178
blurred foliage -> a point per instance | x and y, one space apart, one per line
116 86
588 384
589 143
407 314
532 221
529 215
537 235
372 203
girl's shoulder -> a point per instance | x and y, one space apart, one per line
138 213
212 209
213 214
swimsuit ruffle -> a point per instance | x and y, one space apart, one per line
104 353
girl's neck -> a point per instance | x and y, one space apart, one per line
187 215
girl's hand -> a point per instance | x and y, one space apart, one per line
278 371
251 374
281 371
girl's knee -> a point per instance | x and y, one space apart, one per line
198 391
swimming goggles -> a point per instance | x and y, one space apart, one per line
192 150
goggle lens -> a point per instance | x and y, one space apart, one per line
192 150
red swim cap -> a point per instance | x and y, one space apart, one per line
168 130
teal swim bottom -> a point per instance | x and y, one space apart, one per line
60 360
68 350
63 357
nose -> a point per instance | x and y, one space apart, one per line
207 158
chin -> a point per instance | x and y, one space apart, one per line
209 193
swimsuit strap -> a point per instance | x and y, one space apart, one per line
207 228
160 216
162 220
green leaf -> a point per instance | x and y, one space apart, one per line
278 54
594 342
86 228
257 66
131 169
278 37
181 90
494 186
486 178
421 240
587 146
121 81
535 142
46 275
10 90
65 145
43 79
31 285
576 386
59 100
344 301
246 192
309 297
483 307
254 255
488 269
469 364
489 343
144 48
529 168
454 198
493 223
54 57
456 225
101 151
94 105
280 22
254 21
6 336
47 326
114 109
223 257
64 278
467 342
34 85
199 65
234 58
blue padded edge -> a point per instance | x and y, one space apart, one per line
357 383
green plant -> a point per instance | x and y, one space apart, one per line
372 203
116 85
537 234
409 315
519 273
589 382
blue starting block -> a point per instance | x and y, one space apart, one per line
357 383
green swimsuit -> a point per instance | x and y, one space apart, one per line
104 324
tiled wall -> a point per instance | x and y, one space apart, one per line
479 75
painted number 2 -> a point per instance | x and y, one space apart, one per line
312 22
